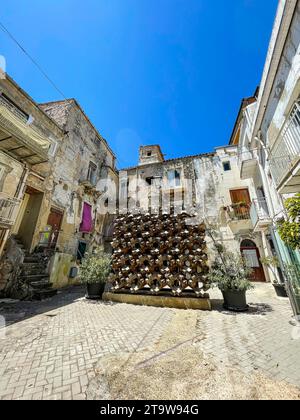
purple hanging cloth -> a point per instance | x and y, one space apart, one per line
86 224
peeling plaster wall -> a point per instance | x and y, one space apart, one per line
59 268
82 144
12 168
10 174
210 189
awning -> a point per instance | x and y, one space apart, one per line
22 140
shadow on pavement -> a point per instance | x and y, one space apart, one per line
254 308
19 311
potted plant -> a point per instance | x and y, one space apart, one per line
230 274
273 263
94 271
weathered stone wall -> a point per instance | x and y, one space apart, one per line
82 144
10 263
10 174
206 186
59 269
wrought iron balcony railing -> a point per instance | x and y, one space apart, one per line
238 211
8 210
285 152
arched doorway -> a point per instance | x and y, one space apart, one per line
251 255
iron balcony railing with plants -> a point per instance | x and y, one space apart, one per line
8 210
238 211
285 152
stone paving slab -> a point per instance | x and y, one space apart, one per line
51 353
261 339
50 349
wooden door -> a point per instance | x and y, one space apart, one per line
241 197
251 255
54 220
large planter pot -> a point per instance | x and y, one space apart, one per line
235 300
94 290
280 289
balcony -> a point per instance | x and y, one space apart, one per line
88 183
259 214
18 138
285 154
248 163
8 210
238 217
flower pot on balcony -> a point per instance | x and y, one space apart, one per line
280 289
235 300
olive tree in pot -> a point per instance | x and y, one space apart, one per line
230 274
94 271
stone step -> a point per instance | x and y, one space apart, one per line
34 264
31 259
28 270
41 285
44 294
34 277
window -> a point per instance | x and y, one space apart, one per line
174 178
149 153
92 173
226 166
149 180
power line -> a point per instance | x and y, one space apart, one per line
4 29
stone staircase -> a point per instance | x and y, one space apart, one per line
34 274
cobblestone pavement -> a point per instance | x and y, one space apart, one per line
49 349
51 353
259 340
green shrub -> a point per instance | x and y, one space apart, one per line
289 230
230 272
95 267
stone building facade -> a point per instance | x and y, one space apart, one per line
267 134
28 138
54 169
83 160
28 141
208 185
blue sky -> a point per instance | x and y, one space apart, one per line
171 72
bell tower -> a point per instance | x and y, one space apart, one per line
150 154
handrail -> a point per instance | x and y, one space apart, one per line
8 208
